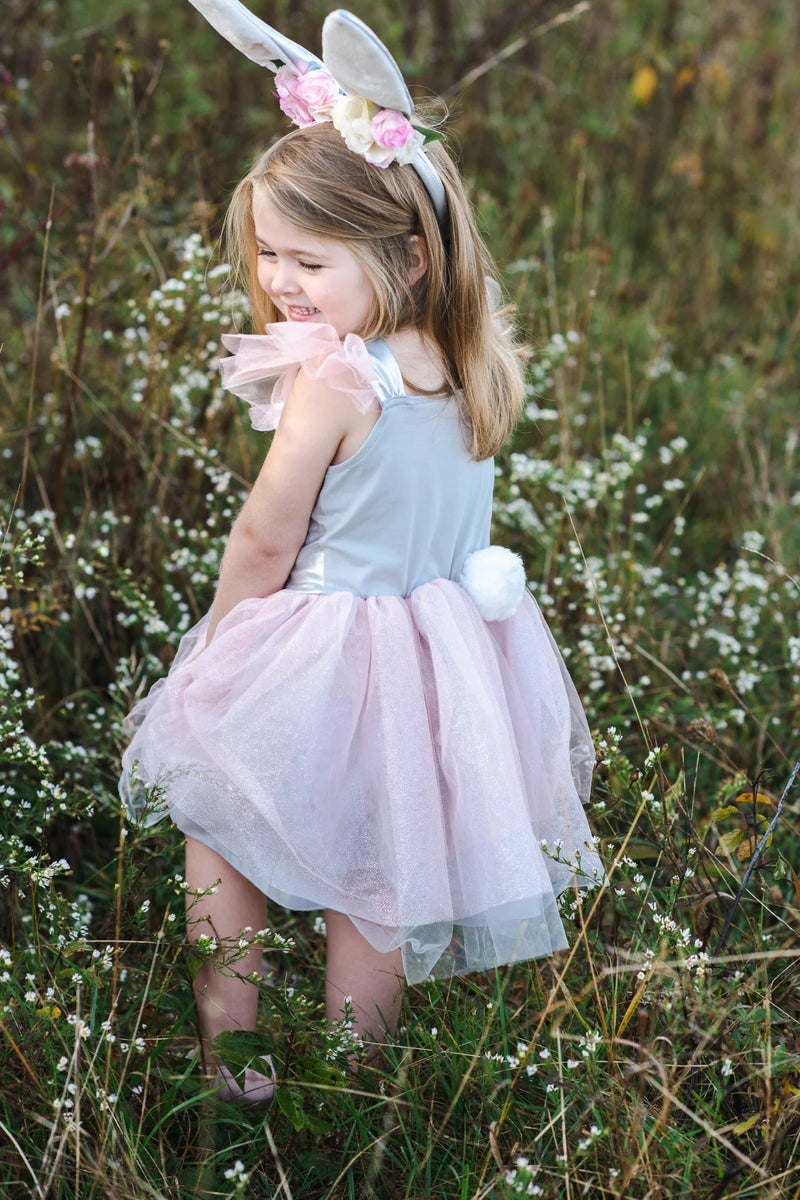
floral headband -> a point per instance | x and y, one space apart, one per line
357 85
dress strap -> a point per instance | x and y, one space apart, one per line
388 380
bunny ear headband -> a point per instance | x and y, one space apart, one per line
357 85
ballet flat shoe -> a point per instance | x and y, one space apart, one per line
257 1090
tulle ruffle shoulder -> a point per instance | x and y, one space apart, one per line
262 367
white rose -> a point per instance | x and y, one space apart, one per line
351 116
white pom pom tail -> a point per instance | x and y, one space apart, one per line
495 580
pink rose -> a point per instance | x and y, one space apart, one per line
391 128
305 98
317 92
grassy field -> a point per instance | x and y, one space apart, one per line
636 168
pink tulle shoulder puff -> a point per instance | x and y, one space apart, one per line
262 367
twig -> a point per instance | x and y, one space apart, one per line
34 357
38 1190
51 43
391 1120
71 392
281 1173
713 1135
572 14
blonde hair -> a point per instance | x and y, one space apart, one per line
314 181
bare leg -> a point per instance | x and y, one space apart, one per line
357 969
226 999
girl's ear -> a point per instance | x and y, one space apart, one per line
417 258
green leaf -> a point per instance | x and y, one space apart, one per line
743 1126
287 1103
290 1010
314 1070
729 841
240 1048
430 135
317 1123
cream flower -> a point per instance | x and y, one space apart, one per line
354 117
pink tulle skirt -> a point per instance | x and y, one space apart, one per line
397 759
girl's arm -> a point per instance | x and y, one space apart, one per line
272 526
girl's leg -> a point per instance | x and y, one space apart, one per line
226 999
357 969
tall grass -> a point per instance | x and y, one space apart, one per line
636 169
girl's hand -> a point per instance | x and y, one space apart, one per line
273 523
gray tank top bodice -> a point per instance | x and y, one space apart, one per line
406 508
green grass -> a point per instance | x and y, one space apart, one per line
651 246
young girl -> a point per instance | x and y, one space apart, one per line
345 730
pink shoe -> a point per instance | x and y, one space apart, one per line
257 1090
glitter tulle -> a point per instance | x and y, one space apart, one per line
397 759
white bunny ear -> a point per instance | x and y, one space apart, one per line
253 37
356 63
361 64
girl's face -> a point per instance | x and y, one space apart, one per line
308 277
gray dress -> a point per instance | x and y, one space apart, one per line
406 508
